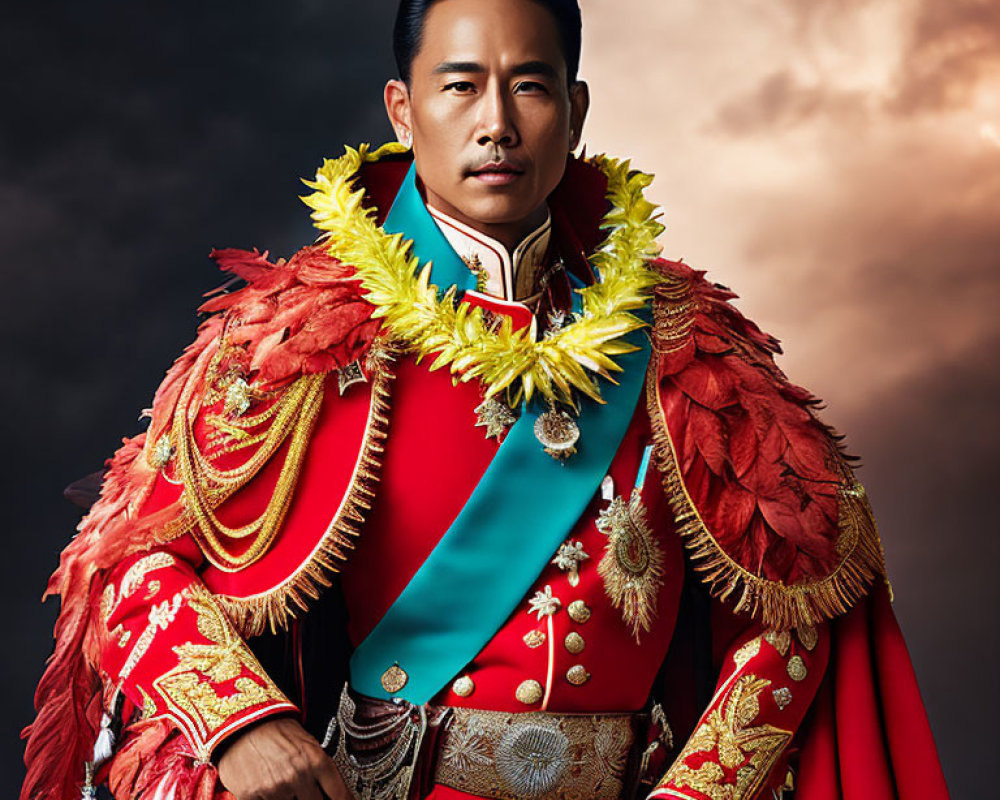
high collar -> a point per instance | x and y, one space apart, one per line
510 276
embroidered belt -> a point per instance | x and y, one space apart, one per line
394 750
536 755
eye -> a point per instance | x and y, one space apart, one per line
462 87
530 86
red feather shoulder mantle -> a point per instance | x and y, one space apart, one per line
762 491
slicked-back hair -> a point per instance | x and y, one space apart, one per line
408 32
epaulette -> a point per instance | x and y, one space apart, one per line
249 383
763 493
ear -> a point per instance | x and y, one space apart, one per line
397 106
579 103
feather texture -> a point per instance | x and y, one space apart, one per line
155 760
294 317
762 489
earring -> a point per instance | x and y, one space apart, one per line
407 140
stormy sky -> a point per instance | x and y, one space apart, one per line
836 163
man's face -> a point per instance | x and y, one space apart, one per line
489 109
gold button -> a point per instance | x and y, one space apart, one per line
394 679
529 692
782 697
535 638
463 686
797 668
577 675
578 611
574 642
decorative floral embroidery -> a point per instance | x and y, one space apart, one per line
749 751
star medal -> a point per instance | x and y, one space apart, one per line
568 559
632 565
495 416
558 433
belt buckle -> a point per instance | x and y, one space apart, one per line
531 757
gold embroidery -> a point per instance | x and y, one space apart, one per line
273 609
205 483
122 634
107 601
133 579
189 688
159 617
161 453
779 605
750 751
632 565
707 779
779 640
475 265
148 706
746 652
808 635
493 754
544 603
152 590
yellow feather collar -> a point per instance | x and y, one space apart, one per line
502 359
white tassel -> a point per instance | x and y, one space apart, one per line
104 747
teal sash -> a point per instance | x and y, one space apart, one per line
523 508
410 217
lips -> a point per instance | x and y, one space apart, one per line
497 173
497 168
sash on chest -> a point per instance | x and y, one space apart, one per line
522 509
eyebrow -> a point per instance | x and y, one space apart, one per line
527 68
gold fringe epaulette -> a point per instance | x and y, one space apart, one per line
276 607
858 558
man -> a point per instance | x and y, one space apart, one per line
482 400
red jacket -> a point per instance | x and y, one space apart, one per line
262 474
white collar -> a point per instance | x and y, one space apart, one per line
505 276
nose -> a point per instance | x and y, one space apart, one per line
496 124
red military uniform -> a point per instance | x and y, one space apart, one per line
294 436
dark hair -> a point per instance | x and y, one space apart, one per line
409 28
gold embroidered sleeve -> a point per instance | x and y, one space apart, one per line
767 683
173 652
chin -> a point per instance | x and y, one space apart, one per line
499 210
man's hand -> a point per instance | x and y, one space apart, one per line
279 760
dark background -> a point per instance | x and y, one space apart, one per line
136 137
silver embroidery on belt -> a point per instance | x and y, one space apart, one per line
531 758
